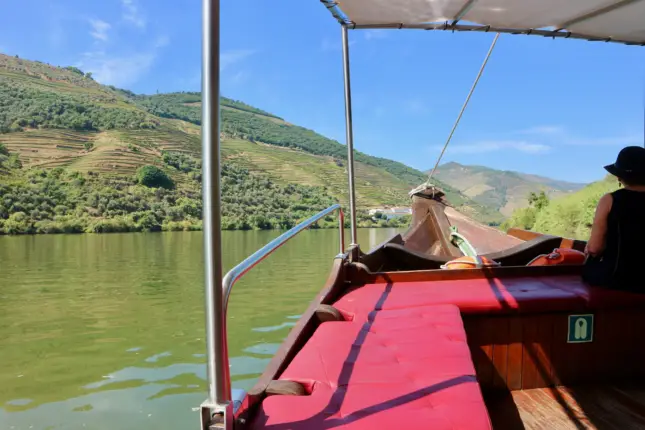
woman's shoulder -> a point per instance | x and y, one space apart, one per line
605 202
607 198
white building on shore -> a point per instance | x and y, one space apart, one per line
391 212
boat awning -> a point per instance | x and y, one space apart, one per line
598 20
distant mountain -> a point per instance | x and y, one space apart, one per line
71 150
502 190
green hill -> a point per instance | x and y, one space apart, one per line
503 190
569 216
79 144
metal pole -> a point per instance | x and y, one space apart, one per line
350 136
341 227
219 387
463 108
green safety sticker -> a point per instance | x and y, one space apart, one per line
580 328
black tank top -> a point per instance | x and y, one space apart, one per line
624 255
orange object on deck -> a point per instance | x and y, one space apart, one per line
468 262
559 256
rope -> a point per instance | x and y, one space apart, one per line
463 108
462 243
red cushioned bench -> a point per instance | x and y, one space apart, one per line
488 296
405 368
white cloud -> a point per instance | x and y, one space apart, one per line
624 140
327 45
374 34
99 29
132 14
239 77
229 58
543 129
416 107
162 41
120 71
497 145
560 136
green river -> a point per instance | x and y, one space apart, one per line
107 331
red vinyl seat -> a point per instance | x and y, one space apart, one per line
486 296
472 296
597 298
406 368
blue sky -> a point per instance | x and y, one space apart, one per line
560 108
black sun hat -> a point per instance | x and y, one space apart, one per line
630 164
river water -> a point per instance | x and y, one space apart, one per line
107 331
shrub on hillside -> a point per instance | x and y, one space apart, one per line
18 223
568 216
154 177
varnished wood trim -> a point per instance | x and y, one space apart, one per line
529 235
297 337
523 234
361 275
578 245
285 388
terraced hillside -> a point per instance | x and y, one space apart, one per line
503 190
62 123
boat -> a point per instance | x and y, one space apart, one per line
399 338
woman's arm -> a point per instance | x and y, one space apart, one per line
596 244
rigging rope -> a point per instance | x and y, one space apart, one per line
463 108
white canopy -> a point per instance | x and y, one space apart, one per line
611 20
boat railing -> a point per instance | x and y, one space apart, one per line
218 364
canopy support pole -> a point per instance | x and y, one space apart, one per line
219 381
349 136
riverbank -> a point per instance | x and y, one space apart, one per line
21 226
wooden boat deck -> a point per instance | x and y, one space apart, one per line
619 406
485 239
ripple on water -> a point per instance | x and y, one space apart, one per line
263 349
19 402
156 357
274 327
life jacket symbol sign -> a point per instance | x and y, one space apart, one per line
580 328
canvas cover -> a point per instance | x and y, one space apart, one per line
598 19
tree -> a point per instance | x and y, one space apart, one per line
88 75
3 150
14 162
154 177
75 70
538 201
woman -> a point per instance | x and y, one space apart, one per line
616 248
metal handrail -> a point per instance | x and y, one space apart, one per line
251 261
220 393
